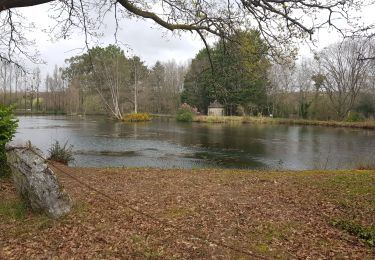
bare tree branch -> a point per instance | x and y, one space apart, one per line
280 22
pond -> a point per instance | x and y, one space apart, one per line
165 143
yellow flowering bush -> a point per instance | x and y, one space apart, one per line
137 117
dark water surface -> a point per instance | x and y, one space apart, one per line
165 143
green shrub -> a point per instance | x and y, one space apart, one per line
8 126
185 113
354 117
184 116
61 154
137 117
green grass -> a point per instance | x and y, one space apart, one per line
5 175
266 235
13 209
365 233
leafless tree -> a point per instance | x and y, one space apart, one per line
54 90
281 85
303 74
37 82
73 95
112 77
344 73
280 22
174 81
4 75
135 87
17 78
59 87
13 40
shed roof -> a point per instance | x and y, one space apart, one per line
215 104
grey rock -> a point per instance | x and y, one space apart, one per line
37 183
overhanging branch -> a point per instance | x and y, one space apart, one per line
9 4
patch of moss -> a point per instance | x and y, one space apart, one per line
177 212
80 207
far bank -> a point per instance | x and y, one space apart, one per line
369 124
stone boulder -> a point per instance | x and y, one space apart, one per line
37 183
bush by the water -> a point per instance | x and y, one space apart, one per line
137 117
62 154
8 126
185 113
354 117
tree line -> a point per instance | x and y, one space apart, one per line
102 80
245 77
336 84
28 92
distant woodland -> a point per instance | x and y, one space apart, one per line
336 84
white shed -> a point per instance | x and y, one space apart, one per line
215 109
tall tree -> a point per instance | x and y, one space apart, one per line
37 87
138 74
4 75
239 76
345 73
198 82
105 71
304 85
157 78
174 81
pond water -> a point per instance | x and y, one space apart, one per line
165 143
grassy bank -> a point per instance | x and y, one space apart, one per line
285 121
311 214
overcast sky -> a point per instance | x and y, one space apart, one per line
137 37
140 37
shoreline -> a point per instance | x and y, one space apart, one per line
369 125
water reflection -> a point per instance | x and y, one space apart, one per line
165 143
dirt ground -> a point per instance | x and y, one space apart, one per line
195 214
